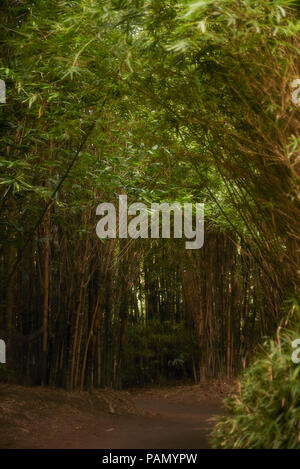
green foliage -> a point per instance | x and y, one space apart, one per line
266 412
191 102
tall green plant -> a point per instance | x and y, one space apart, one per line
265 414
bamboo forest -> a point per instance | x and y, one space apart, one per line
112 320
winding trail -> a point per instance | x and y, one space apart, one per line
177 424
164 425
176 418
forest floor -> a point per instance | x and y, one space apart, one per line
177 417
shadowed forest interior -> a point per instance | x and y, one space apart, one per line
164 101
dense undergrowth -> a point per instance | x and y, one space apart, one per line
158 352
265 413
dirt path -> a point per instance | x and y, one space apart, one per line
177 424
171 425
175 419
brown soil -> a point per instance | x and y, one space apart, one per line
169 418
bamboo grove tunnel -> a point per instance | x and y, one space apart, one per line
164 102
